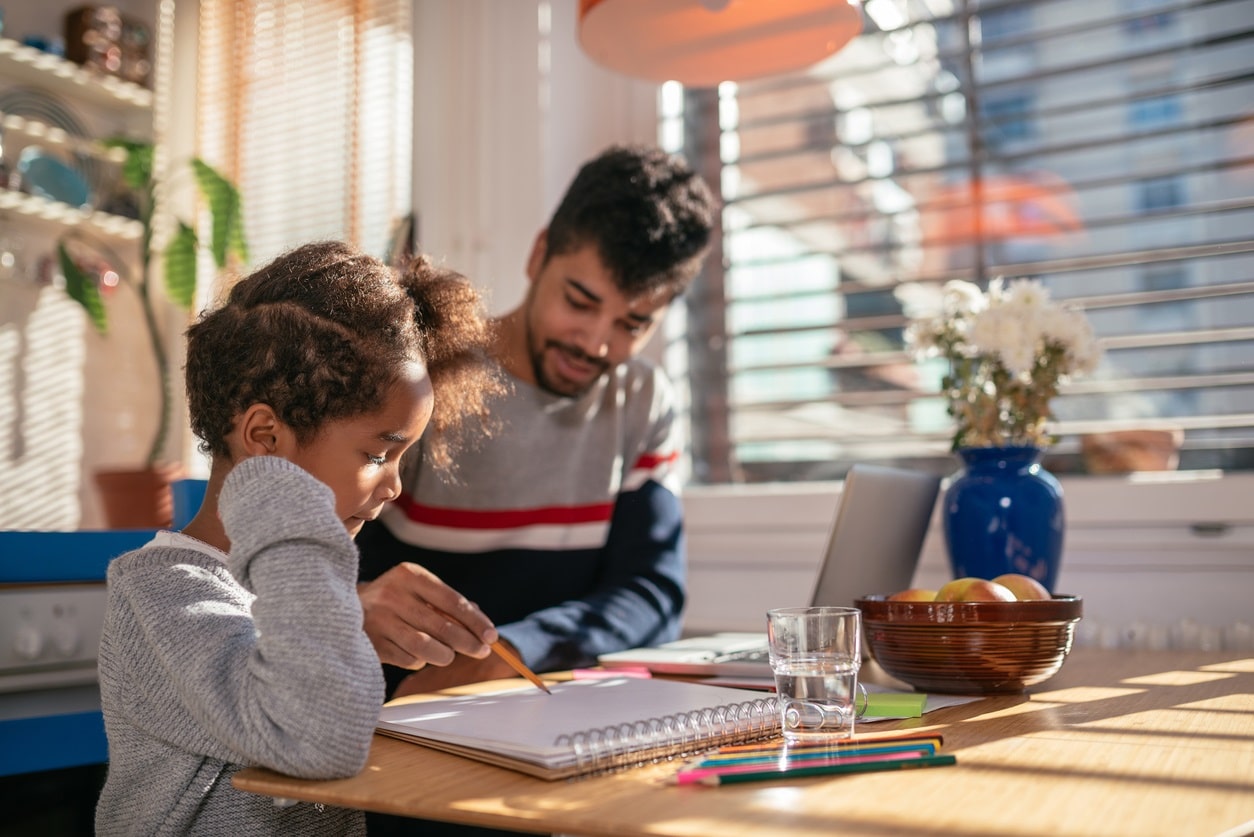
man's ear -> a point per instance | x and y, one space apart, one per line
539 250
260 432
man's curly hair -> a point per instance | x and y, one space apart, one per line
323 332
648 213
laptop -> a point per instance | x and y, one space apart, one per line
873 547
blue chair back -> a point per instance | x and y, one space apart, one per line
188 496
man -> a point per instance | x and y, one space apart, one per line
563 525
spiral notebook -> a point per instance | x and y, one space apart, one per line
585 726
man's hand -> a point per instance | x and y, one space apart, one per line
462 670
414 619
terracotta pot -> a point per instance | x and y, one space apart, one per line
138 498
1124 451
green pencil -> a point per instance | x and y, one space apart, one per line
827 769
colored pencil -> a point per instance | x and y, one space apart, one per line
828 769
693 775
929 747
511 659
519 666
777 746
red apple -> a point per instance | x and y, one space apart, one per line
971 589
914 594
1025 587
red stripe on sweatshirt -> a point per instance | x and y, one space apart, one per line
504 518
649 461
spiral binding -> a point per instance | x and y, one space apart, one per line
650 740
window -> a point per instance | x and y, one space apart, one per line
1146 16
1113 167
1155 194
308 107
1005 21
1172 314
1154 112
1008 118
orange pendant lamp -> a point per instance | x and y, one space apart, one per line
700 43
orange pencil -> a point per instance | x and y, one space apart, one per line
518 665
508 656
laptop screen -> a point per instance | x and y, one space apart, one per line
877 534
872 547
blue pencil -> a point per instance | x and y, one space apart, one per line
826 769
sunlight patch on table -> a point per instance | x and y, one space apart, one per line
1245 666
1178 678
1026 708
1242 702
1085 694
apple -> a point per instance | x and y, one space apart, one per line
970 589
914 594
1025 587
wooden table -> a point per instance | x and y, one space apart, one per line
1117 743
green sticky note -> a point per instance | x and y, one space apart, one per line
894 704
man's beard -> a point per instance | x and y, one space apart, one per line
536 352
549 385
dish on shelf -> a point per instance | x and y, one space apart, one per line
35 104
46 176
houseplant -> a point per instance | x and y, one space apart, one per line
1008 352
178 258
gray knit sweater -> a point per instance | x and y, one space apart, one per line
210 663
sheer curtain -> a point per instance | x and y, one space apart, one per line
308 107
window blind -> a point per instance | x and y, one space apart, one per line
1105 147
308 107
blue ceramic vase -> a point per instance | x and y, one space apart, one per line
1003 513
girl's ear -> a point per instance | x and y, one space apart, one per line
260 432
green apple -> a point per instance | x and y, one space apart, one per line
1025 587
970 589
914 594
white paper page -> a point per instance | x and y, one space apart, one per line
526 723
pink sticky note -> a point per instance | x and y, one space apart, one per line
639 672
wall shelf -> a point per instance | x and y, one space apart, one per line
29 65
45 134
64 216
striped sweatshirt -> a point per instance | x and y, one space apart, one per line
564 526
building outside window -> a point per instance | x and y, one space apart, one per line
1114 167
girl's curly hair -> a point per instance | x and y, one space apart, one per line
322 333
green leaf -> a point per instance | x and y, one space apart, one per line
180 267
82 288
137 170
224 206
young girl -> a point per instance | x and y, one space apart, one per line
239 640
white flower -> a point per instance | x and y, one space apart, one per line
1070 330
1025 293
920 338
1001 331
1008 349
962 299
